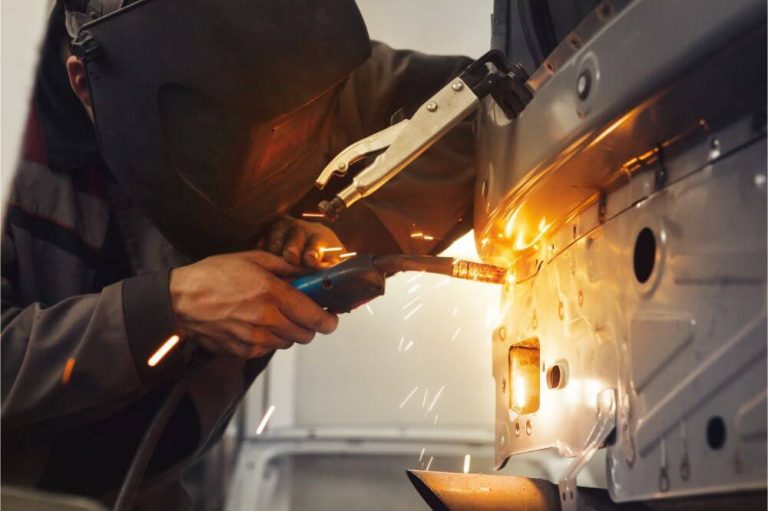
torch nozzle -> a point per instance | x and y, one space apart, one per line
457 268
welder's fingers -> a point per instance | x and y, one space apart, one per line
293 248
211 345
276 235
303 311
276 265
287 329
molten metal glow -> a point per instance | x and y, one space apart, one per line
519 392
163 350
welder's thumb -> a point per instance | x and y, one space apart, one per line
274 264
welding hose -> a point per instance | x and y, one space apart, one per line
135 473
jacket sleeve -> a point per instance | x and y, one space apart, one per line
81 358
434 195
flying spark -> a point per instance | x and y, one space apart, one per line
455 311
421 456
163 350
419 306
417 276
414 289
265 420
429 464
312 215
400 347
434 399
347 254
467 458
424 401
67 374
456 334
417 235
324 250
443 282
427 238
409 396
409 345
368 308
434 423
411 302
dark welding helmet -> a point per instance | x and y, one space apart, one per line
215 114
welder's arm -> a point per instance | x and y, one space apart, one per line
86 356
434 195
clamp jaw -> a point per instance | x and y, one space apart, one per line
405 141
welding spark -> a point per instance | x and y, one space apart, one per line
312 215
265 420
409 396
421 456
419 306
324 250
443 282
429 464
417 235
424 401
368 308
414 289
400 347
427 238
455 310
411 302
467 458
434 423
434 399
163 350
456 334
417 276
409 345
347 254
67 374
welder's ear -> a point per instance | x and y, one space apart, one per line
78 81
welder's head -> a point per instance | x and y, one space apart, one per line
215 114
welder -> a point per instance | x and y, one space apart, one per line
170 150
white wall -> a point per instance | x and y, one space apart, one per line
22 23
359 376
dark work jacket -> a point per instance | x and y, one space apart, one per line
85 296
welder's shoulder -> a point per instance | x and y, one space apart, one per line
394 79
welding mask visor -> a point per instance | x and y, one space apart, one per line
215 116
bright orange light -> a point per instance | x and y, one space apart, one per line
347 254
324 250
67 374
519 392
312 215
163 350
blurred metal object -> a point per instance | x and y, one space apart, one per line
25 499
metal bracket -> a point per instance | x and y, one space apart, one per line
604 425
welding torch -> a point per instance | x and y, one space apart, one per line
362 278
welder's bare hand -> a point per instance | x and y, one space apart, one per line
241 304
300 242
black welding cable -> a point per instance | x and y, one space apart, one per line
135 473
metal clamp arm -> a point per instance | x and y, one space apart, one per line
408 139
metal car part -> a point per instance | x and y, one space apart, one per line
629 198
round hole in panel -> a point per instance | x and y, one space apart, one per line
644 258
716 433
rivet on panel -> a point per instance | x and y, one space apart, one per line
517 429
432 106
502 332
528 428
581 297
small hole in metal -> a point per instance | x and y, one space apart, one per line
645 255
716 433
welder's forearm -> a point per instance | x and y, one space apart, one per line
78 359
